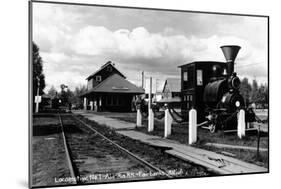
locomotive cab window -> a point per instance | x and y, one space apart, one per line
185 76
188 80
199 77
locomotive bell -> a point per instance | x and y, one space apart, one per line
216 70
230 52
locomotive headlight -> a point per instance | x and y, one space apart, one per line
235 83
237 104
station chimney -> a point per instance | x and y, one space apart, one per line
230 52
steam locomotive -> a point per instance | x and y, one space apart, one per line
212 88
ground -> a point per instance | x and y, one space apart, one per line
49 158
48 155
180 133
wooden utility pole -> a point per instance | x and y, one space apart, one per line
142 79
150 111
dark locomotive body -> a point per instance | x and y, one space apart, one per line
195 77
212 88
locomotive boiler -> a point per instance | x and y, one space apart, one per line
223 92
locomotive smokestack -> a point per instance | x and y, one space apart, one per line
230 52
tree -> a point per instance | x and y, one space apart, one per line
245 89
266 93
262 96
38 77
254 93
77 100
52 92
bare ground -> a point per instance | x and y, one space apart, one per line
48 155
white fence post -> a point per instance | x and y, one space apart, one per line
150 120
85 103
95 106
139 117
192 126
168 123
241 124
150 111
92 105
99 104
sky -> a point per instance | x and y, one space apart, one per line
75 41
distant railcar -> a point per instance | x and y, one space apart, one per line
55 103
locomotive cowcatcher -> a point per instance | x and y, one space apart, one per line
212 88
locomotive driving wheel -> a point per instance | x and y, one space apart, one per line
215 124
212 128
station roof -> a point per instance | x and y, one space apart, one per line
103 67
115 84
201 62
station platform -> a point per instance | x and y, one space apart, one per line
214 162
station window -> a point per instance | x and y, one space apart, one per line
98 78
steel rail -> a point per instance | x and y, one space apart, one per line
123 149
72 173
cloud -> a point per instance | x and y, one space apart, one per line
132 45
76 41
152 52
156 51
61 68
67 77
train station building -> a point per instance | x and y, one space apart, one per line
109 90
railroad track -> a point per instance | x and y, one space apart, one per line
93 157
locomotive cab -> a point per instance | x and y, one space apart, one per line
195 76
